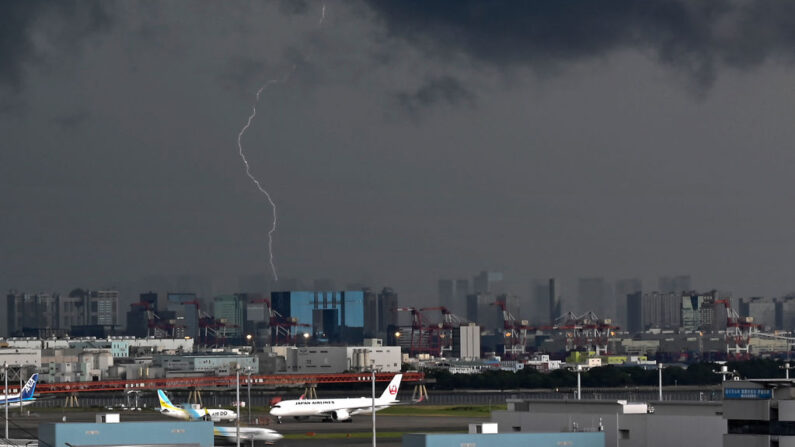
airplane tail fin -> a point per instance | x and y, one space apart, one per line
391 391
30 387
164 401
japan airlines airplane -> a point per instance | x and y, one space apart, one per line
191 412
23 398
337 409
248 434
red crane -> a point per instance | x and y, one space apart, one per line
417 341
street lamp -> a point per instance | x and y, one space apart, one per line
248 402
724 372
659 374
237 393
786 369
5 369
579 386
372 408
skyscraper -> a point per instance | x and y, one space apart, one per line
540 309
332 316
31 311
481 310
488 282
453 295
231 310
634 312
623 288
186 312
675 284
595 295
380 313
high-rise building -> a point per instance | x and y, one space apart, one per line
555 300
332 317
482 310
488 282
675 284
380 313
31 313
623 288
698 312
453 295
231 311
785 313
762 310
595 295
538 312
88 308
634 312
662 310
139 314
545 302
103 307
257 318
186 313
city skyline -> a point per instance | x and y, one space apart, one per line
655 144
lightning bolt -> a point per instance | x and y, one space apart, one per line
242 154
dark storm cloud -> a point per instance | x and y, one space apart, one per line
692 37
72 120
293 7
67 23
442 89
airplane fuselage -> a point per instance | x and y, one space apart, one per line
323 407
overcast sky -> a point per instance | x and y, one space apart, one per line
409 141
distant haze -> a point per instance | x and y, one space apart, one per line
413 141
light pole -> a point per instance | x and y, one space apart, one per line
659 376
237 393
5 370
724 371
248 402
372 372
786 369
579 387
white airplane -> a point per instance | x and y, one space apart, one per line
249 434
25 397
192 412
337 409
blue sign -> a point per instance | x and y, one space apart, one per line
747 393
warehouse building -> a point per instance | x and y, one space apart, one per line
656 424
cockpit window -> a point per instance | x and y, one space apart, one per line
276 406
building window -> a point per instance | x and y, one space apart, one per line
624 433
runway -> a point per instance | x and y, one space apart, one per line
297 433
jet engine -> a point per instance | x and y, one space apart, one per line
340 415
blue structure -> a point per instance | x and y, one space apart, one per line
578 439
148 433
332 316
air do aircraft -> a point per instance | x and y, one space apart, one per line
337 409
193 412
